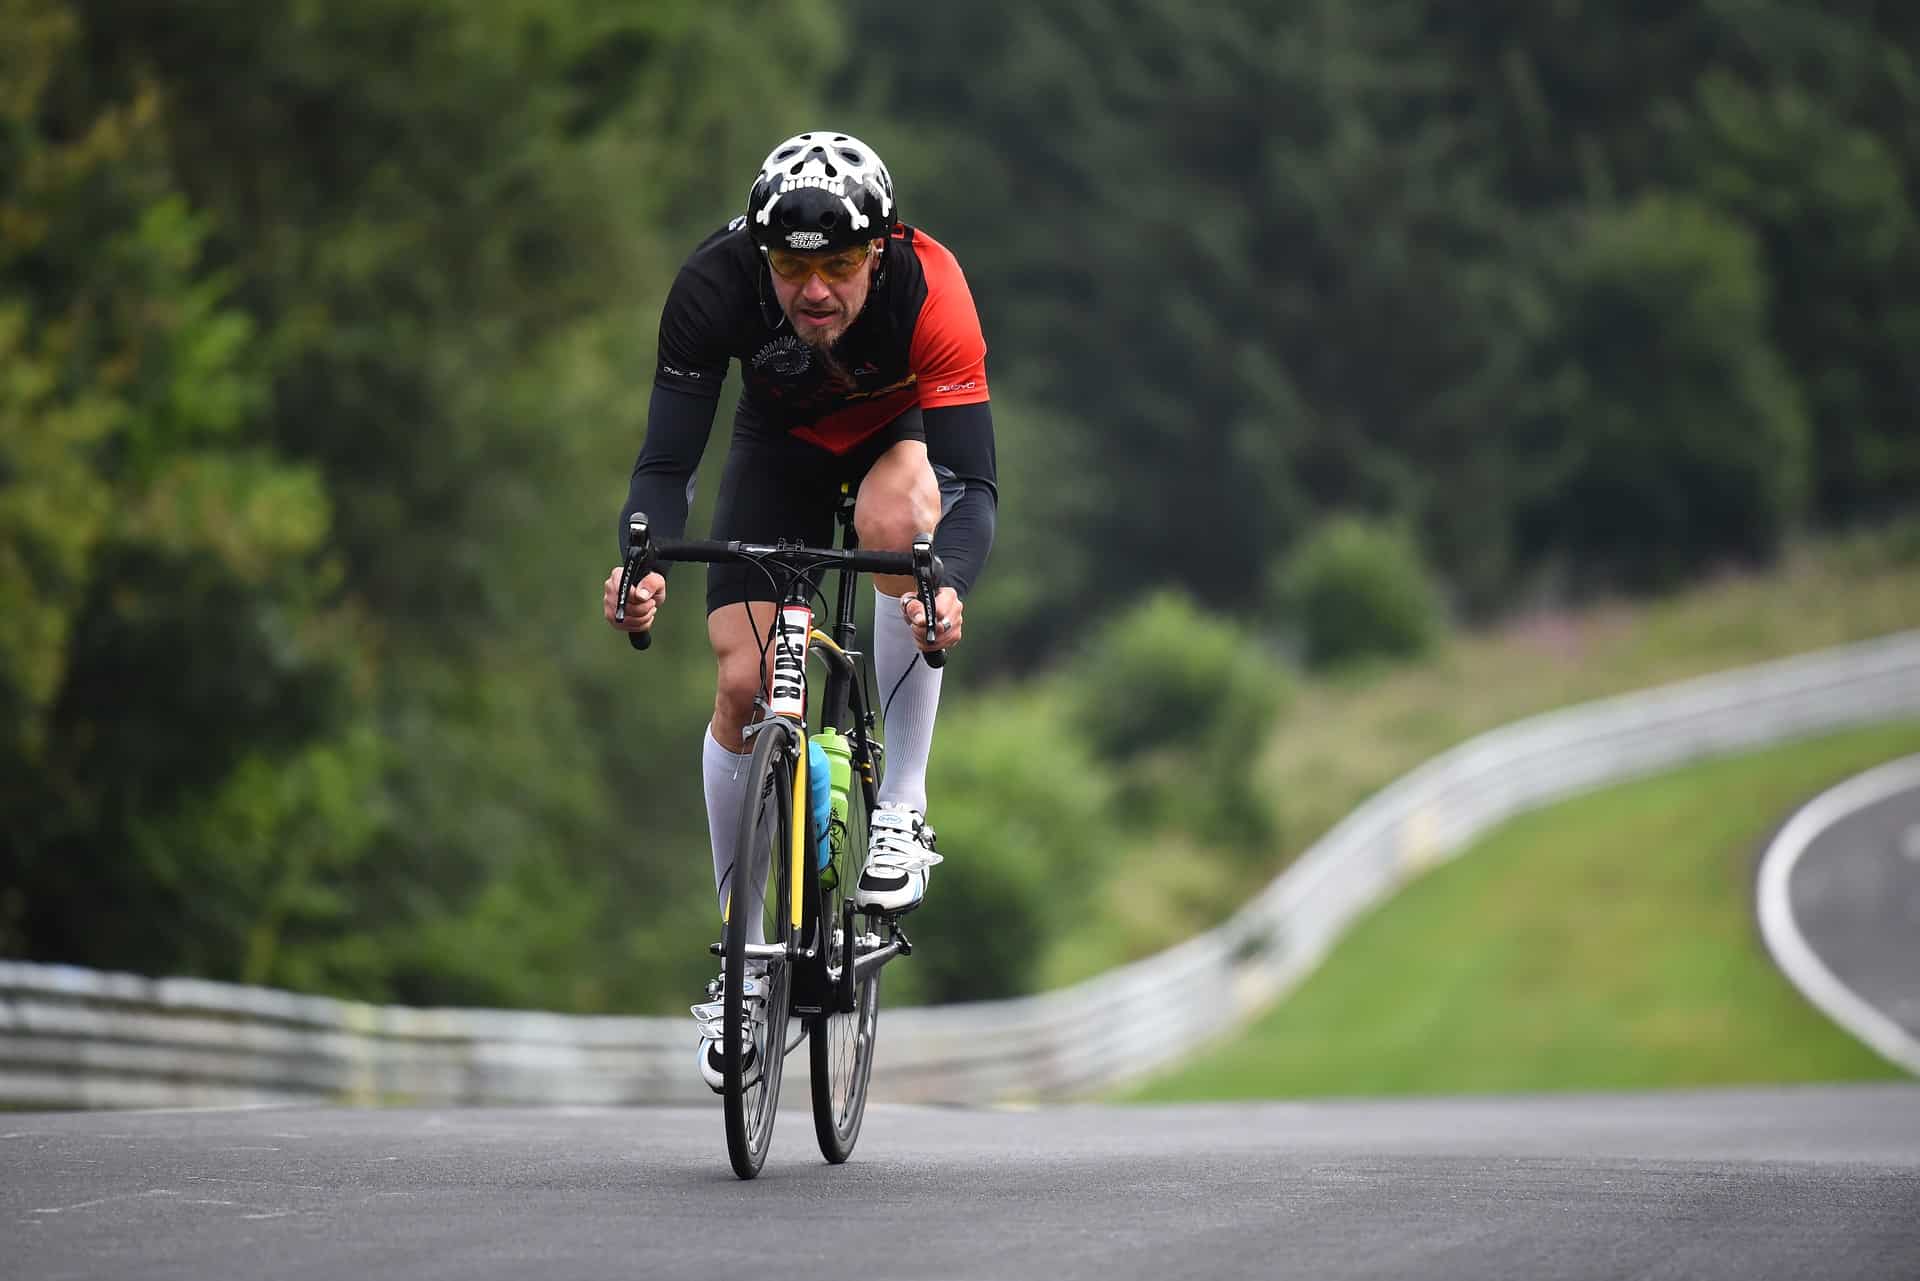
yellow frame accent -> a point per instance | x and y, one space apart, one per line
802 799
801 804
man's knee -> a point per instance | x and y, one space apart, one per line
734 693
739 671
897 507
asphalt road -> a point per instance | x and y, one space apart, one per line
1855 894
1789 1183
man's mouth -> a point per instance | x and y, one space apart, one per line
819 317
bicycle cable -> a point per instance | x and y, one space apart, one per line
774 581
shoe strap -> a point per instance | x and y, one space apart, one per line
901 855
895 818
712 1015
712 1018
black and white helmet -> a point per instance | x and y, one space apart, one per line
820 190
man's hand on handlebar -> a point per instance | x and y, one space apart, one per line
947 611
644 599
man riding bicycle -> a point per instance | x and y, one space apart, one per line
863 365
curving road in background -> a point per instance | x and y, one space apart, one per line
1787 1183
1839 904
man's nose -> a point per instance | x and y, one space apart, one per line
815 290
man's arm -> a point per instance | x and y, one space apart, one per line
678 425
960 439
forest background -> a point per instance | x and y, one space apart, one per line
326 332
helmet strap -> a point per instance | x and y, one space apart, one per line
774 315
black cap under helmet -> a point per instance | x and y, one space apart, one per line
820 190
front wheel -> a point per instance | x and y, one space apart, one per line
758 911
841 1047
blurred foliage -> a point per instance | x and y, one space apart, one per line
325 339
1027 812
1179 701
1357 590
1674 439
1284 262
170 632
317 325
1170 675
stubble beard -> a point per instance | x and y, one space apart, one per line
823 342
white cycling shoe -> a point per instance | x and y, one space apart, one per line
711 1015
900 857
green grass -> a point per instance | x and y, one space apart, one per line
1606 942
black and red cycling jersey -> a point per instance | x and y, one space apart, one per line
916 345
916 342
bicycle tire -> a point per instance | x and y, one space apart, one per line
761 869
840 1047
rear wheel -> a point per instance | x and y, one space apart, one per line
841 1047
758 911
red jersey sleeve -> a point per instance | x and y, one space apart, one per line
949 353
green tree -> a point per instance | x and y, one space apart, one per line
1355 590
1680 442
1833 211
168 628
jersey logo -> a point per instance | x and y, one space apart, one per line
784 357
944 388
739 221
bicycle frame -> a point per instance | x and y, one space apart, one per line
793 639
843 707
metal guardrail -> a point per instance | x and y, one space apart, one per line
78 1038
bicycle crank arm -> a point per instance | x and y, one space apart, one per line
755 951
868 962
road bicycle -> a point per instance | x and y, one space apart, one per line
789 920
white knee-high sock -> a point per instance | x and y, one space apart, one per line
725 775
909 714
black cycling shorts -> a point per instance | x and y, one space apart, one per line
776 486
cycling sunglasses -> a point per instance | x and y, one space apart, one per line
835 267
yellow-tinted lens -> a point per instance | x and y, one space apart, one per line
837 266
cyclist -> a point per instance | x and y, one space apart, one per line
863 362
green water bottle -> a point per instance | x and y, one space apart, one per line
839 751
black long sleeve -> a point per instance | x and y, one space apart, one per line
678 425
960 441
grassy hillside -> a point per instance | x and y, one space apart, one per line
1342 739
1605 942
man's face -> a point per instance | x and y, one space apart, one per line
829 292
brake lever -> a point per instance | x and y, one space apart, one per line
925 571
639 561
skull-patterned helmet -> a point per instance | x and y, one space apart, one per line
820 190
